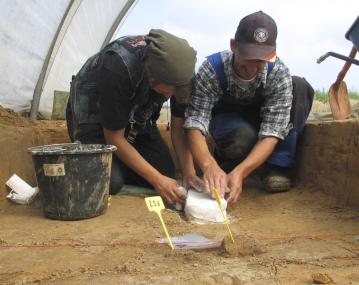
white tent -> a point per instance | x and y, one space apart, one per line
44 42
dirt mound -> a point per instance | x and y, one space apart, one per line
244 245
320 278
9 117
17 135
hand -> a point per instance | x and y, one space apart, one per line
235 182
168 189
215 177
193 181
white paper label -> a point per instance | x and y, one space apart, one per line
54 169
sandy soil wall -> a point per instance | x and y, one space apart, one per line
328 153
328 159
17 134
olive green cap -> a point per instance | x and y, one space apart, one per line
171 60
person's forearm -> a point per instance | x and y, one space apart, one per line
130 156
198 145
259 154
181 147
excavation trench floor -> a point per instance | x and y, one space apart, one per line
300 233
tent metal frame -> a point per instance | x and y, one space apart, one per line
56 42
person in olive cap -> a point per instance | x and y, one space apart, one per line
254 109
116 99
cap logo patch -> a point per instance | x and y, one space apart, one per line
260 35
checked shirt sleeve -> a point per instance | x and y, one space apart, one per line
278 96
205 94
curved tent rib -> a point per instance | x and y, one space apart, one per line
55 65
65 22
129 5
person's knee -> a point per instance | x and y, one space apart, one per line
116 185
116 179
237 144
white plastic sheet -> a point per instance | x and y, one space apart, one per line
20 191
201 208
84 38
191 241
27 30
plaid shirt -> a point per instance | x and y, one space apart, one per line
277 94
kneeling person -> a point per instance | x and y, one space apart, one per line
253 108
116 99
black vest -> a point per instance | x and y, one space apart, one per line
84 90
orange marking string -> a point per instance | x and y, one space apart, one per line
155 245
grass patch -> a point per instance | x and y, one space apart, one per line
322 95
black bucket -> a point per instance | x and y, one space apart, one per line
73 179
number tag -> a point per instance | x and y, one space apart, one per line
54 169
154 203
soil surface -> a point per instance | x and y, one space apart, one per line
303 232
285 238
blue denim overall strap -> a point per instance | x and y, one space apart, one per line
216 61
222 124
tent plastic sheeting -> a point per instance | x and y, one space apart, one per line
43 43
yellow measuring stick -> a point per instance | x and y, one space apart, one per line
218 199
155 204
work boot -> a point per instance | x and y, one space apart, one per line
276 179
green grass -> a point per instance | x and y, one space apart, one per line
322 95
